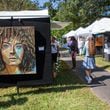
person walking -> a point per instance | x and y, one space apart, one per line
89 59
80 44
74 49
55 53
69 41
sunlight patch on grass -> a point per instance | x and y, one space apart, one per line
102 63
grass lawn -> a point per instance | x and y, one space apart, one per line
68 92
102 63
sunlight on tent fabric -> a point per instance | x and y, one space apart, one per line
69 34
87 30
103 25
24 14
79 30
83 32
98 26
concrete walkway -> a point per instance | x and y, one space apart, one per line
101 78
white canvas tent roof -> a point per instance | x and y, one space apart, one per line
90 27
103 25
69 34
32 14
86 31
79 30
24 14
83 32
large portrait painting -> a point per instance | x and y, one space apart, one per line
17 50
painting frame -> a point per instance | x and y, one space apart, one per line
42 51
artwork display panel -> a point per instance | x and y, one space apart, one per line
17 50
25 52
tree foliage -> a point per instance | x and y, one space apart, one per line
10 5
81 12
52 6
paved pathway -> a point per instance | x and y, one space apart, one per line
101 82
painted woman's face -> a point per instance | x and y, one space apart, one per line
12 52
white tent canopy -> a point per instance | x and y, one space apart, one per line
69 34
103 25
98 26
24 14
89 28
83 32
79 30
86 31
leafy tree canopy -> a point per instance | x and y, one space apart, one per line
16 5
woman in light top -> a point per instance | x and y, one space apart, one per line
55 53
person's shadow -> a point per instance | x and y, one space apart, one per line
12 101
97 81
104 75
102 78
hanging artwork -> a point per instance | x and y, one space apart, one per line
17 50
99 41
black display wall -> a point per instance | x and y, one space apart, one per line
42 61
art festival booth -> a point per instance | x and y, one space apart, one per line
25 53
103 27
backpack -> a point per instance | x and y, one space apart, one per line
91 46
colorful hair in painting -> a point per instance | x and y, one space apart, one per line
24 34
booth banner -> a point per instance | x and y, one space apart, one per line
17 50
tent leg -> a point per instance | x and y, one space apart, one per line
17 88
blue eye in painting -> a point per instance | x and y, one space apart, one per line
5 45
19 46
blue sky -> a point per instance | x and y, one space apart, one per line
41 2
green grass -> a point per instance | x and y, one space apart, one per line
68 92
102 63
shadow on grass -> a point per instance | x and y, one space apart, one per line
64 81
40 90
106 67
12 101
102 78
